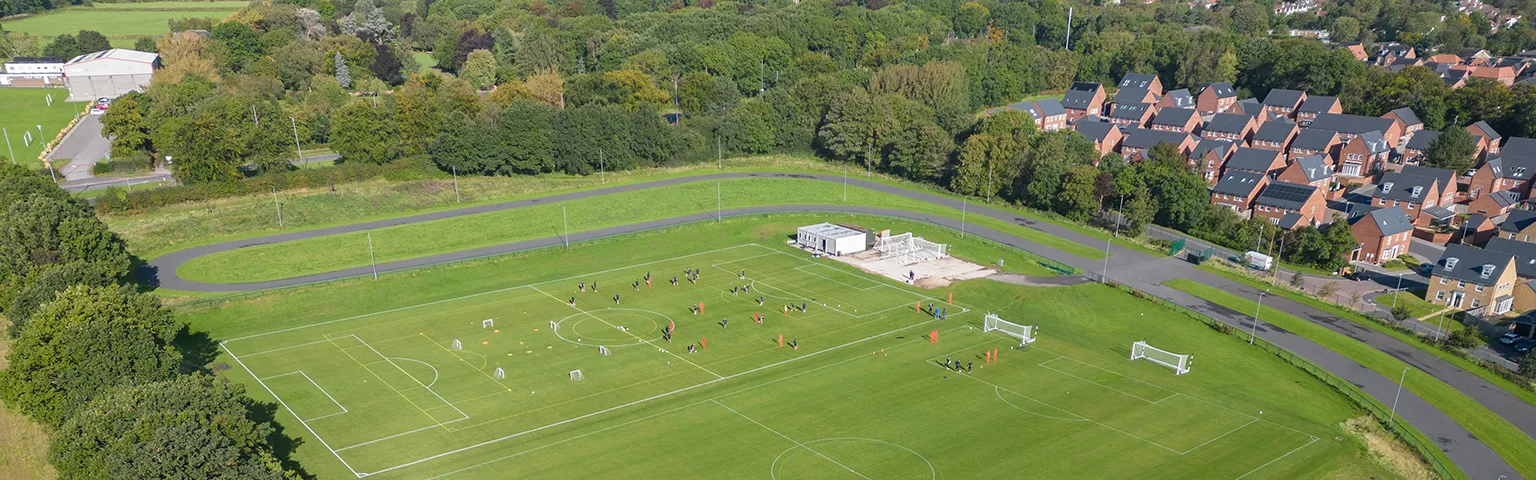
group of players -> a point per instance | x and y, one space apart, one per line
692 275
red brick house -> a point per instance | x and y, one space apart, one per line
1177 99
1487 139
1494 204
1132 115
1142 81
1257 160
1311 141
1236 127
1363 155
1317 105
1183 120
1417 146
1210 158
1350 126
1105 136
1315 170
1083 99
1139 140
1503 173
1382 235
1275 135
1407 120
1291 205
1283 102
1216 98
1414 194
1237 190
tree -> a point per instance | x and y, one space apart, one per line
361 133
1297 280
479 69
1345 29
63 46
418 115
145 44
41 230
47 281
748 128
971 19
343 73
1527 365
242 45
1077 200
547 87
1326 291
1452 150
91 41
128 125
921 152
85 341
192 426
1401 312
183 55
386 65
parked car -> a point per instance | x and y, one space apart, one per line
104 100
1525 345
1510 338
1426 268
98 109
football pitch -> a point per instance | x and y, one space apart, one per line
485 385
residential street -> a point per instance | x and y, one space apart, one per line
1139 270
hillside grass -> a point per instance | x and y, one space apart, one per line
1507 440
119 19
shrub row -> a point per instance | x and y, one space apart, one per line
411 168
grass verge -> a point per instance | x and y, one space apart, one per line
1511 444
25 452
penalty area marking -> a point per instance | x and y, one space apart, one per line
933 473
791 440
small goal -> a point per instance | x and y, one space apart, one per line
1179 363
554 326
576 375
457 345
603 350
487 323
994 323
499 374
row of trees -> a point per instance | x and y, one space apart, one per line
98 362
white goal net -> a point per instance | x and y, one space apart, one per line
909 249
457 345
487 323
575 375
994 323
1179 363
499 374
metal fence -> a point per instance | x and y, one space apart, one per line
1381 413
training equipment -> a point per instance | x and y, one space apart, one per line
499 374
603 350
553 325
487 323
457 345
1179 363
1025 333
909 249
576 375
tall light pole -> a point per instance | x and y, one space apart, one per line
719 154
1393 417
371 261
455 184
1254 332
278 206
1397 291
845 183
567 223
964 202
718 203
296 149
602 167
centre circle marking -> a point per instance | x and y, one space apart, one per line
594 314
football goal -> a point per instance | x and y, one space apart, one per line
1179 363
457 345
994 323
487 323
603 350
554 326
499 374
575 375
908 249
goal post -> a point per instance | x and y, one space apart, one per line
1179 363
993 323
576 375
488 323
499 374
457 345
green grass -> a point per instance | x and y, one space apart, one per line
1513 445
119 19
1522 393
26 108
864 388
425 60
1417 306
336 252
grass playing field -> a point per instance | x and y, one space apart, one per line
119 19
370 381
27 108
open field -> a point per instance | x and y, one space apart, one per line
1513 445
119 19
335 252
370 369
27 108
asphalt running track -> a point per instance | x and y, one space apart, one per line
1136 269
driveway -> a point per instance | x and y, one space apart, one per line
1131 267
82 147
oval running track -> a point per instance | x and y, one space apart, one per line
1134 268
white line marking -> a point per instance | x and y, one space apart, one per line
290 410
377 440
626 332
791 440
264 352
1287 454
408 375
1101 385
435 375
1219 437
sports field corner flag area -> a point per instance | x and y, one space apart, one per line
711 352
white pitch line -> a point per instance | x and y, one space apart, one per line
264 352
626 332
1219 437
397 435
1100 385
290 410
1287 454
791 440
408 375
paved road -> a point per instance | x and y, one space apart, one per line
158 176
1131 267
82 147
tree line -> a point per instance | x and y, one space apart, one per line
125 389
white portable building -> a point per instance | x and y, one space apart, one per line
829 238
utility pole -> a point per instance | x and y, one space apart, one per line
1278 254
989 182
455 184
278 206
565 221
719 154
296 149
1393 418
602 172
1069 29
845 183
371 261
1255 331
718 208
8 145
964 202
1397 291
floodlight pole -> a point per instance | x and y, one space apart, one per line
1440 327
1397 291
964 202
567 223
296 149
1278 254
1393 417
719 155
13 152
455 184
278 206
371 261
718 203
1255 331
845 181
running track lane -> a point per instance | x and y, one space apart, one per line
1131 267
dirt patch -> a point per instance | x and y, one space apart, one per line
1385 449
923 274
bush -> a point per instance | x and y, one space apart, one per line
400 170
136 163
